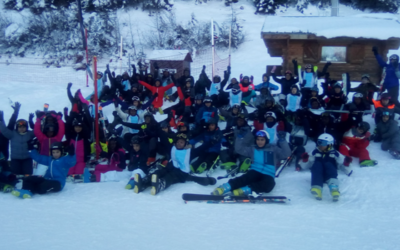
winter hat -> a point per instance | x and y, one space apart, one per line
77 122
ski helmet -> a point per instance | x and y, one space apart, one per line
100 73
269 99
77 122
394 57
385 96
148 114
386 112
270 114
212 120
337 85
57 146
135 140
325 140
358 95
263 133
181 136
189 80
21 123
207 99
364 126
164 124
237 106
199 97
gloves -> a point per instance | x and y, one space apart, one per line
17 107
65 111
229 69
375 50
347 161
1 116
32 144
38 113
31 115
71 150
204 67
69 85
144 126
305 157
117 119
251 78
282 135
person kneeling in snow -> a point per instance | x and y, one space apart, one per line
56 174
324 162
261 176
388 132
177 170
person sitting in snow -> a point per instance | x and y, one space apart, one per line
384 103
177 170
55 176
324 162
261 176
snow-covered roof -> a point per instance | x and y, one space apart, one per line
170 55
373 26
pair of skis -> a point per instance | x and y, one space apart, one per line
231 199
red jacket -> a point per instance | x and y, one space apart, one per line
355 142
158 102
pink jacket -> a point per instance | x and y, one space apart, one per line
45 142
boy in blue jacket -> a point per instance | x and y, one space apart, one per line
261 176
178 169
56 174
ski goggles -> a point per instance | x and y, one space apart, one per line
21 123
358 95
322 143
136 98
308 66
385 113
181 136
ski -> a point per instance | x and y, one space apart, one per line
231 173
214 166
299 74
345 83
214 199
285 163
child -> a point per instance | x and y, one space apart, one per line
137 163
337 99
286 83
49 134
366 89
235 94
388 131
293 102
355 142
208 152
56 174
324 162
261 176
266 84
384 103
272 126
21 162
205 113
160 90
231 115
130 117
177 169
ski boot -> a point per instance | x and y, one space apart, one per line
158 184
317 192
368 163
78 178
395 154
22 193
244 191
201 168
245 165
130 184
6 188
140 183
221 190
227 165
334 192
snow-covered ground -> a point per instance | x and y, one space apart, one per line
106 216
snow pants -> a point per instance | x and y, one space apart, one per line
305 97
102 169
394 95
258 182
322 172
392 143
22 167
77 169
40 185
361 153
151 146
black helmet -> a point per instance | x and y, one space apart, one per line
199 97
148 114
212 120
364 126
77 122
135 140
207 99
57 146
21 123
164 124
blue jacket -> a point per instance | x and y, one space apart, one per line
214 139
58 169
206 113
268 85
391 79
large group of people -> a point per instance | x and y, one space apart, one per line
155 147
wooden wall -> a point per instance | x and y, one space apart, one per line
360 58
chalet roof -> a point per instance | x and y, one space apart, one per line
372 26
170 55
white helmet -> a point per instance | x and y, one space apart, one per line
325 140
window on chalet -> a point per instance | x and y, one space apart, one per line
334 54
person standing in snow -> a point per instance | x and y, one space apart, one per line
391 82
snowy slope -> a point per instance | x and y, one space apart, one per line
106 216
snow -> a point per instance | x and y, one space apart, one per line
374 26
106 216
171 55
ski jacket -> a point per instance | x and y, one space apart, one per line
4 141
285 84
265 160
206 113
391 79
19 142
243 139
136 119
268 85
293 102
158 102
367 90
58 169
138 160
45 142
389 132
332 156
212 138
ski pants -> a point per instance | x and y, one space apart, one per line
305 97
40 185
22 167
77 169
322 172
203 156
392 143
394 95
361 153
258 182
